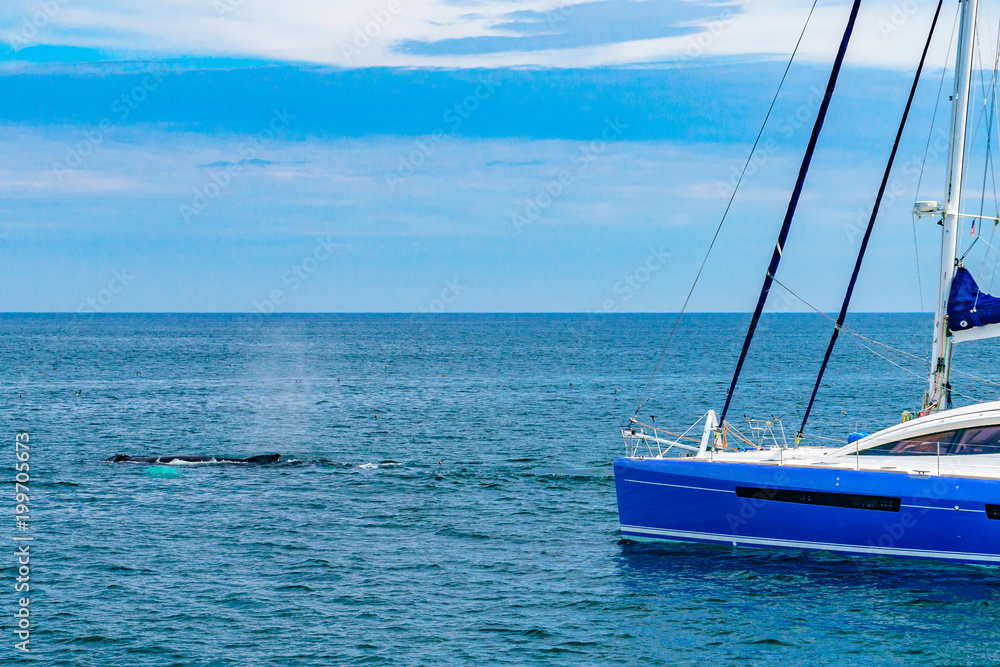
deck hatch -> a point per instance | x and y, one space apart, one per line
847 500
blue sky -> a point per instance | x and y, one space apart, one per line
461 156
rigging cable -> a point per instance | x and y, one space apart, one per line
989 99
793 203
725 213
923 162
990 96
860 336
993 115
996 203
989 132
871 221
937 105
881 356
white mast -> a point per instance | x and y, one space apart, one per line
938 395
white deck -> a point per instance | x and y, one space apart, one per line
847 457
982 466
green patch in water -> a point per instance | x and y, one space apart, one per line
162 471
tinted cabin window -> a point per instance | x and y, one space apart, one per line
925 445
984 440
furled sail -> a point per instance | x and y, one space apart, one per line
968 306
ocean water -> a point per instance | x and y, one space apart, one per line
445 494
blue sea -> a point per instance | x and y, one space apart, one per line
445 494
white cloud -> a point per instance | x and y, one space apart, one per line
889 33
122 207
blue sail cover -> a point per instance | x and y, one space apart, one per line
968 306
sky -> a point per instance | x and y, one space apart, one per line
461 155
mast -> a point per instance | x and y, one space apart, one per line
938 394
871 222
793 202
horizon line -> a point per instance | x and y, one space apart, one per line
414 312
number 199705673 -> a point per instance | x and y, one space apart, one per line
21 479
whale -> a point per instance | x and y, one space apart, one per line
262 459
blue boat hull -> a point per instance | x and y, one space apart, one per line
843 511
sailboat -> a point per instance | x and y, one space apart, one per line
928 487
